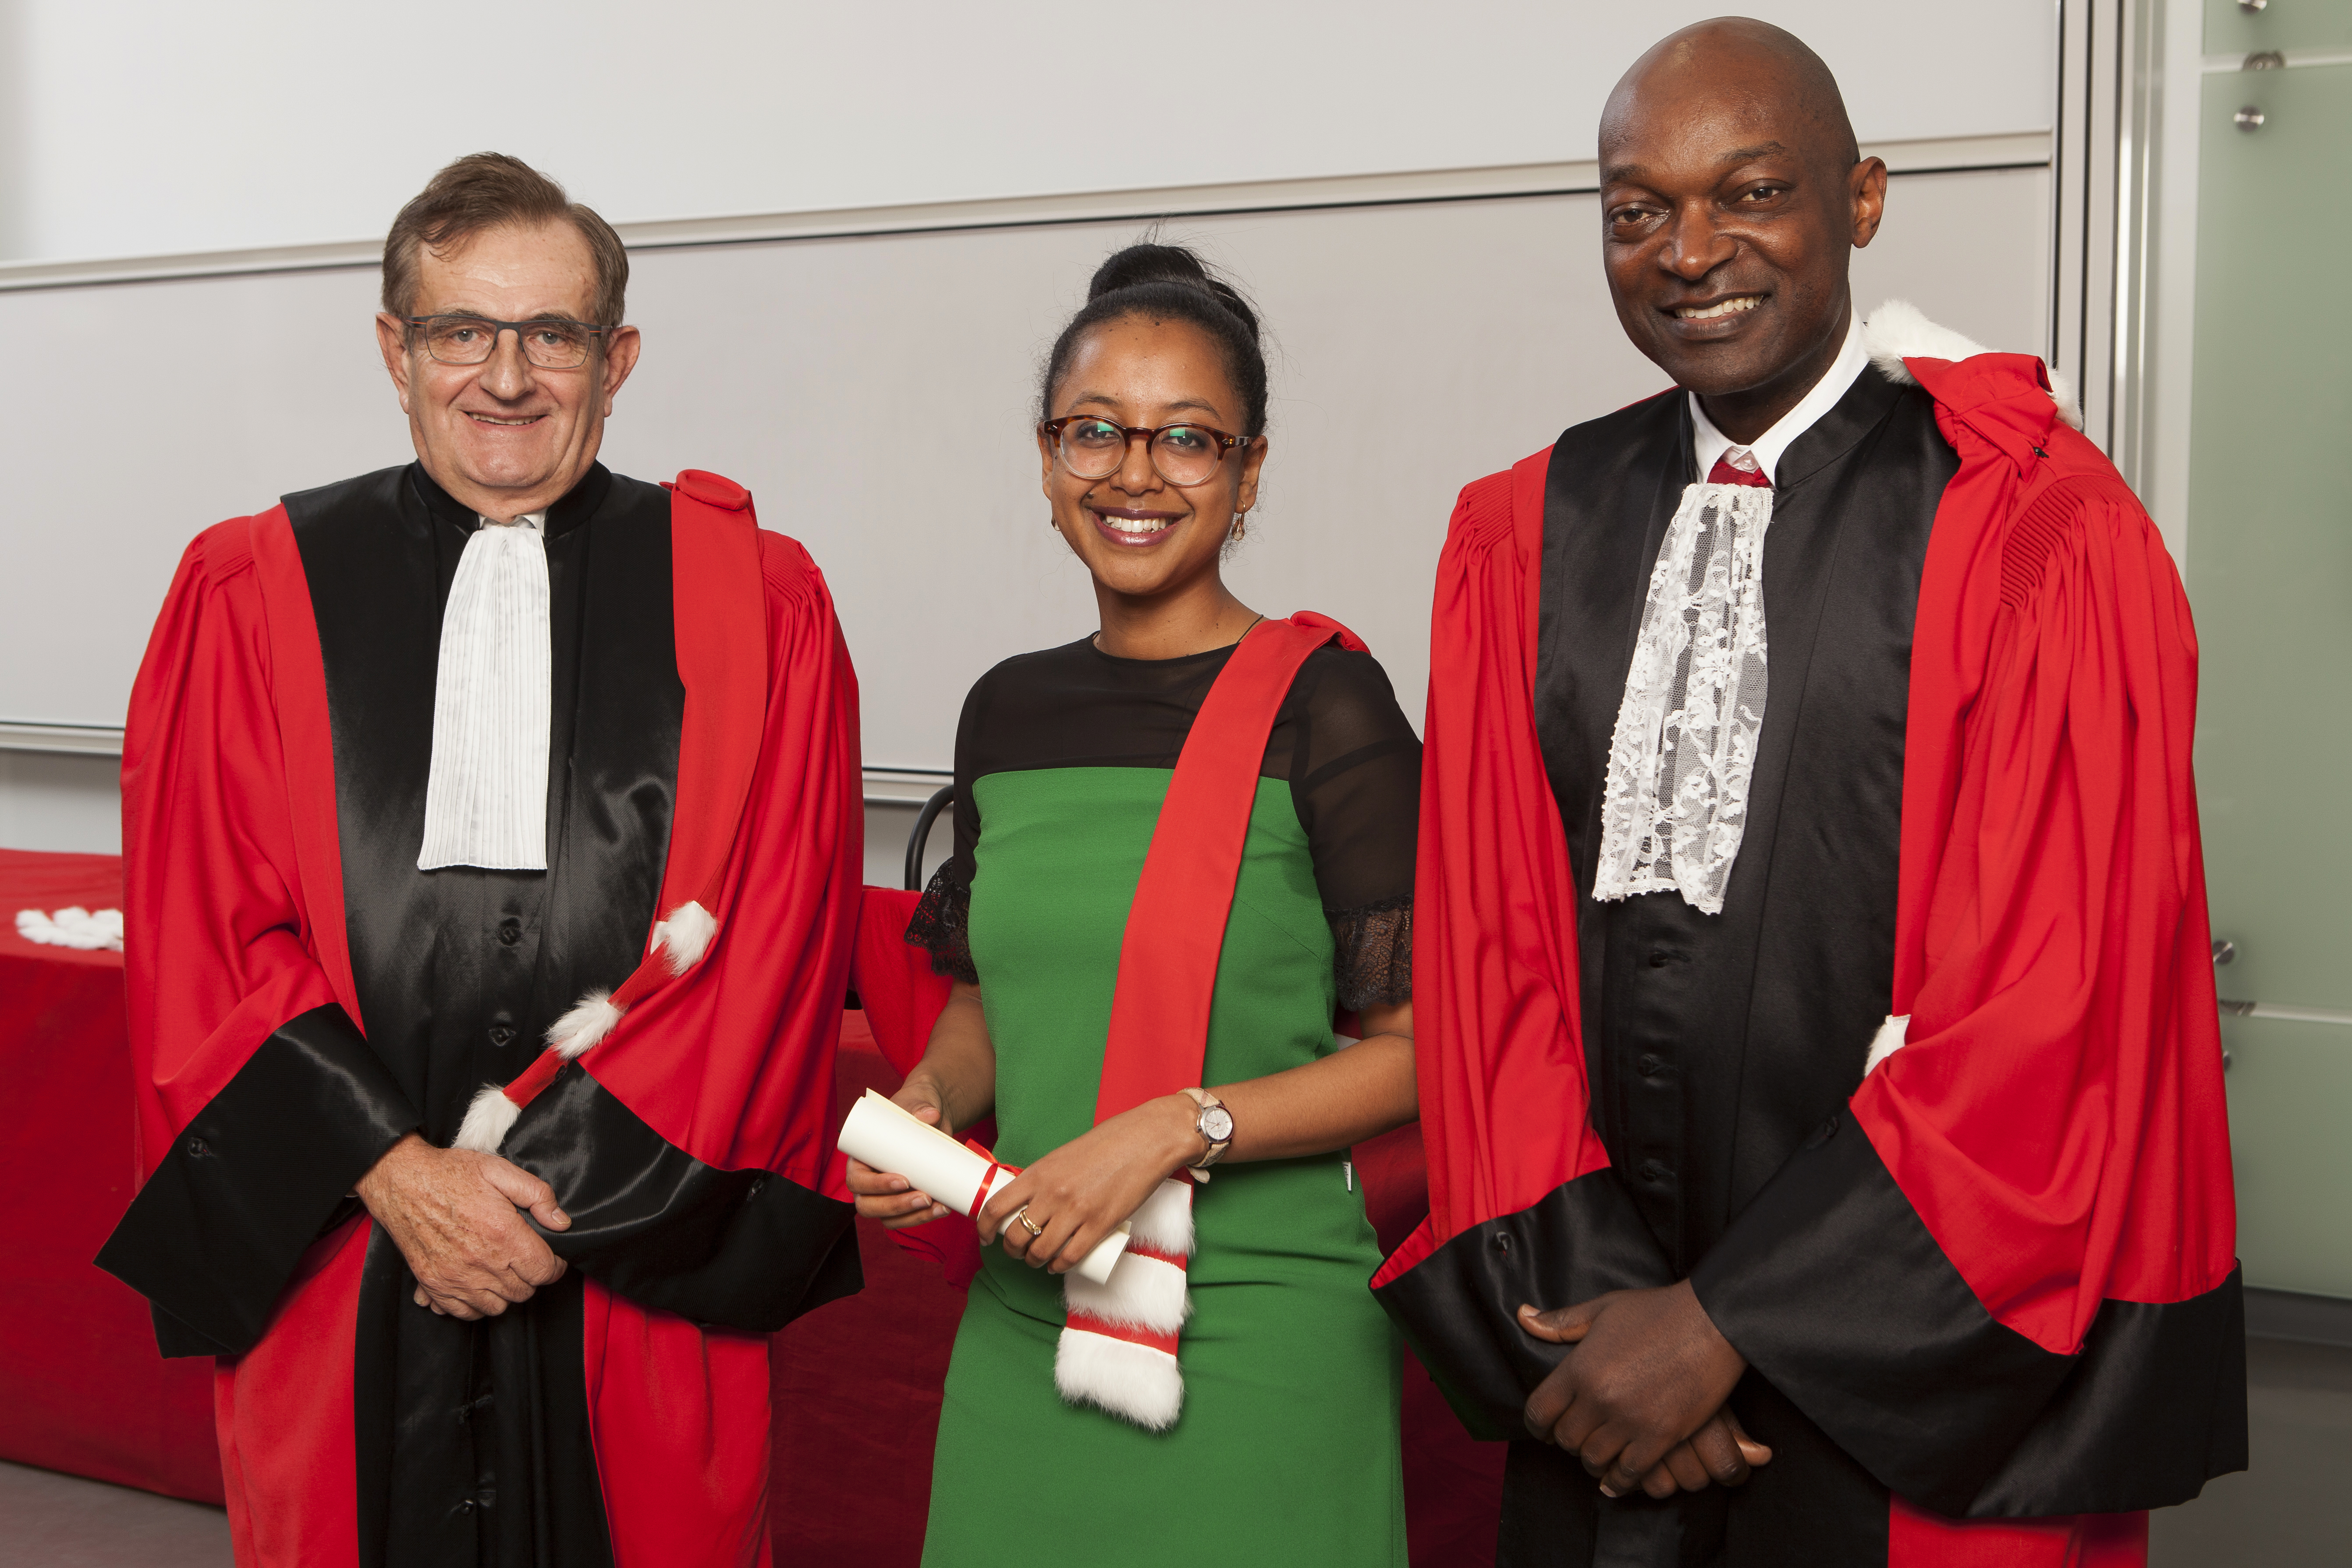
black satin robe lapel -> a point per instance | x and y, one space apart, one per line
1716 1044
473 1439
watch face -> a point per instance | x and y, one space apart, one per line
1216 1124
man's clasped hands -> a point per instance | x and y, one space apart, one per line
1641 1399
462 1222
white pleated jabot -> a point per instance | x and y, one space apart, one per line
486 799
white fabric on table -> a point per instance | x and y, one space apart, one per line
75 927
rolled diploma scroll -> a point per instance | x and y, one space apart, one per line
889 1138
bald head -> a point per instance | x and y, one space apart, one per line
1735 62
1733 197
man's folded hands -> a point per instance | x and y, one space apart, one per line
1641 1399
458 1218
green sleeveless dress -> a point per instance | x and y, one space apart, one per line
1286 1450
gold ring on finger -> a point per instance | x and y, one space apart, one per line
1030 1225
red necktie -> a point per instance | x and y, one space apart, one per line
1723 473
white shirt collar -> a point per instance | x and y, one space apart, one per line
534 520
1709 443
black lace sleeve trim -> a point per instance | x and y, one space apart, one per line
941 925
1371 953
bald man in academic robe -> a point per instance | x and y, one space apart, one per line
1819 1058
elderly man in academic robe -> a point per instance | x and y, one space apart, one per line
1819 1058
491 833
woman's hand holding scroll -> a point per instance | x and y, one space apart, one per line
1086 1189
886 1195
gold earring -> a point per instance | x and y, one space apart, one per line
1241 523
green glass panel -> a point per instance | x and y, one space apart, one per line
2283 25
2270 574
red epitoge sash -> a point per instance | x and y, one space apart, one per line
1119 1347
722 662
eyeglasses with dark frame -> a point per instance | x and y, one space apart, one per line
1185 454
551 342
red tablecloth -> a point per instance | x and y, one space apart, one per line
856 1382
81 1388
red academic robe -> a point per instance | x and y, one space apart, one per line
714 1092
2052 1136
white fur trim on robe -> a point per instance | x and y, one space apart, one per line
1136 1382
1889 1039
1093 1363
489 1120
1898 331
685 936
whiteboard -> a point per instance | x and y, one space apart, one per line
1416 347
153 129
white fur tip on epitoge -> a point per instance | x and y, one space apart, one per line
2062 393
1898 331
1133 1381
1164 1222
1889 1039
1143 1293
590 1020
686 936
488 1121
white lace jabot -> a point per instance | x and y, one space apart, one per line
1674 807
486 798
1676 803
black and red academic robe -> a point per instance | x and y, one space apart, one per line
1994 1280
301 997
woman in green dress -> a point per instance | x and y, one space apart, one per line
1285 1448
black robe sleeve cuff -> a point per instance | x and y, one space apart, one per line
744 1249
253 1180
1459 1307
1833 1289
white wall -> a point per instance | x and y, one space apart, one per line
50 801
153 129
133 127
1416 346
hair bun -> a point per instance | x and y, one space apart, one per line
1141 264
1168 283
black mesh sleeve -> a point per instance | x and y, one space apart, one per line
939 923
1372 952
1356 776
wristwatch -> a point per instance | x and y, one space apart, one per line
1215 1127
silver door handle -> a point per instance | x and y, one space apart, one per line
2284 1014
2225 953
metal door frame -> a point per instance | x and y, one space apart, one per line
2121 314
2110 207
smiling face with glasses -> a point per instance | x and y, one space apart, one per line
505 382
1146 480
